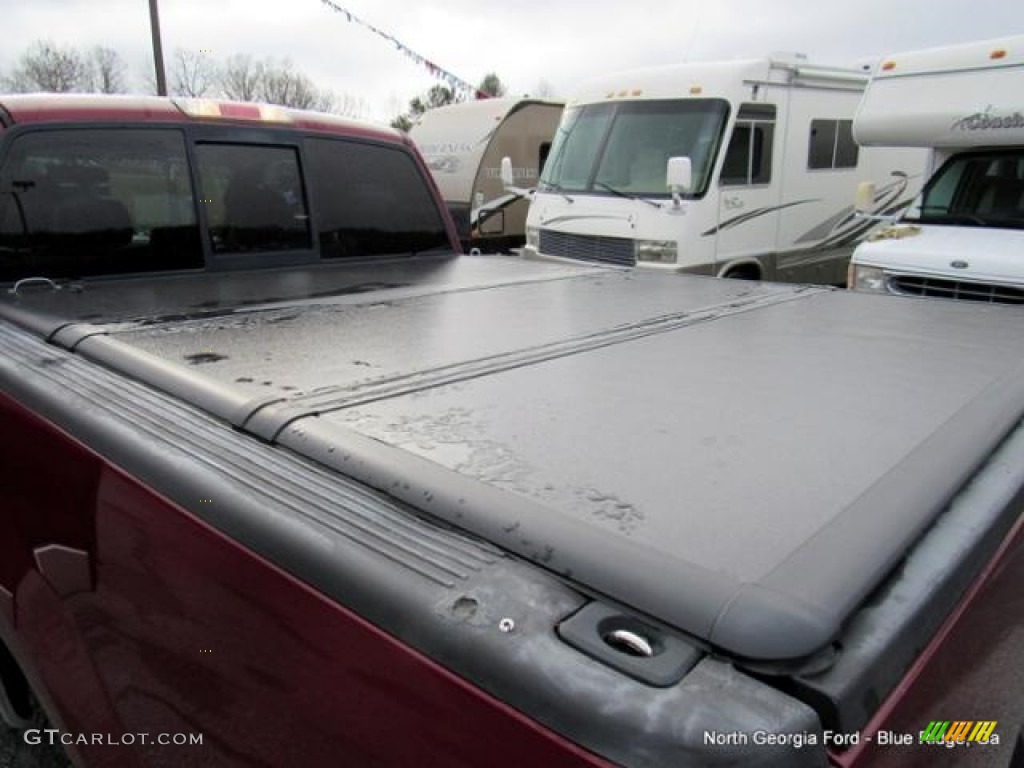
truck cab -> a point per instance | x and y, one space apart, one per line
93 188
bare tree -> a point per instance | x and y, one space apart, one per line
350 106
544 90
193 73
105 71
242 77
283 85
46 67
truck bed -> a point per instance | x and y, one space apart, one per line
743 464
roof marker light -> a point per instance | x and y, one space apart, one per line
888 65
696 90
998 53
269 113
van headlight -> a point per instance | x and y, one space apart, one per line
867 279
656 251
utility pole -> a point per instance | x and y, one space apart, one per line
158 52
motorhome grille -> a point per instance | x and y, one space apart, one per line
912 285
612 250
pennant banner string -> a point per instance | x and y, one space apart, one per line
431 67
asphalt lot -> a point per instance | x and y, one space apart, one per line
15 753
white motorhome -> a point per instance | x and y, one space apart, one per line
963 238
772 171
463 145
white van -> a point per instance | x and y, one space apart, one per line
463 145
963 238
773 171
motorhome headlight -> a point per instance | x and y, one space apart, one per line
864 278
656 251
533 238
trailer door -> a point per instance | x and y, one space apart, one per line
748 197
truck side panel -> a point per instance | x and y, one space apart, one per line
178 629
969 671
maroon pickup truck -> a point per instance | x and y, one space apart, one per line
286 480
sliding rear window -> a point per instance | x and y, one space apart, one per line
86 202
253 196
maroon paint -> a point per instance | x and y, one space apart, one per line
973 669
188 632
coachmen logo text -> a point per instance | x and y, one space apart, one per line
986 121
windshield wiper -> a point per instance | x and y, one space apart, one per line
550 187
947 217
627 195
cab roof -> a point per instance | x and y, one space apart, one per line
78 107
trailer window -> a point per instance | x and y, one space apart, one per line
253 198
748 159
88 202
831 145
371 200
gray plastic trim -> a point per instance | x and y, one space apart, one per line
660 658
435 589
885 636
920 487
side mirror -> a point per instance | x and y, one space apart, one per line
865 199
679 174
506 172
678 177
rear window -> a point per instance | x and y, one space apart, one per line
84 202
371 200
253 198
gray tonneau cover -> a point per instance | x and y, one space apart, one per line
742 461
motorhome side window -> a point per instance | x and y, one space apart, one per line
371 200
88 202
831 145
253 198
748 159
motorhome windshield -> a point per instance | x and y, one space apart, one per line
624 147
976 189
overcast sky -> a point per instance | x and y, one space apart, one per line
533 45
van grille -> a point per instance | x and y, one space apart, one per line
913 285
610 250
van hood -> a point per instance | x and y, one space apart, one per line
977 254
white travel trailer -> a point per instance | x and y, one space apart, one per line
772 171
963 238
463 145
